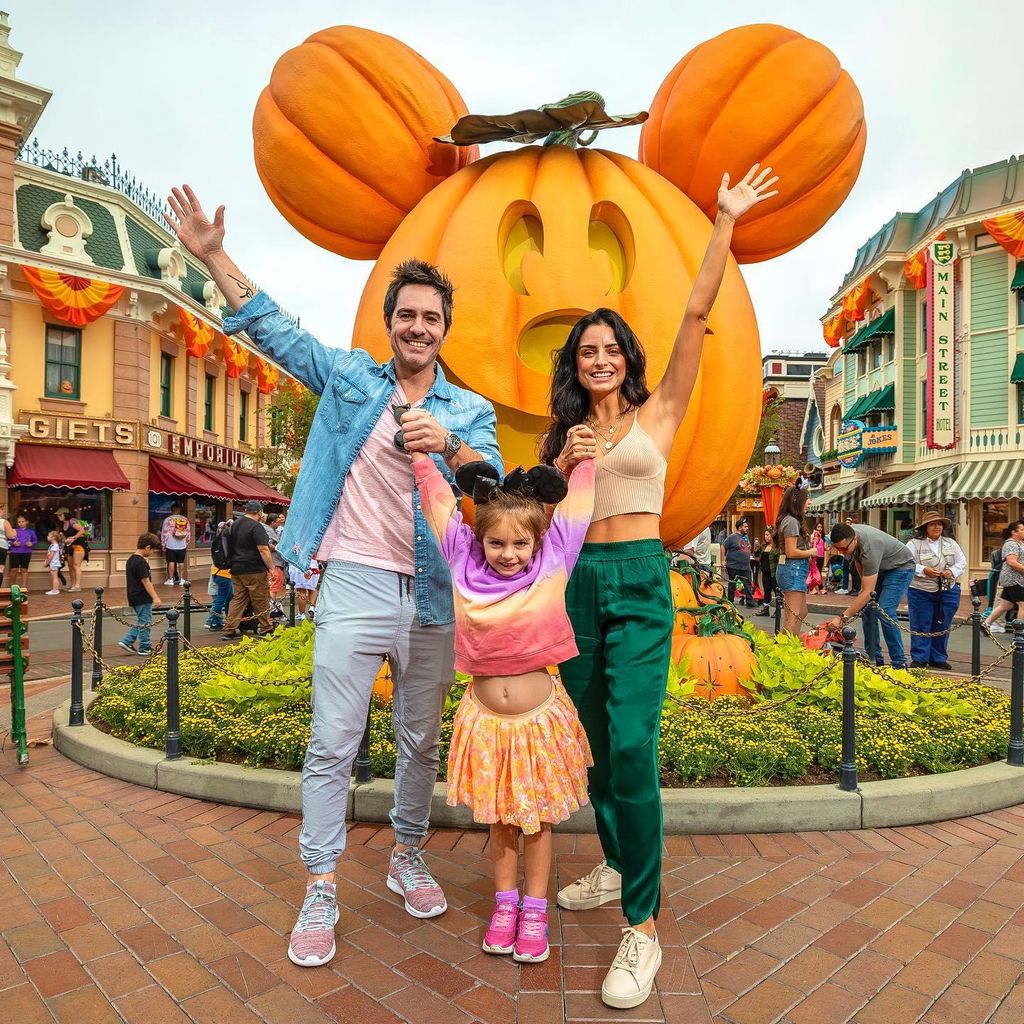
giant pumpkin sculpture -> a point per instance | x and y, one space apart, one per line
534 238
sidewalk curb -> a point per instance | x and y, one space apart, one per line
911 801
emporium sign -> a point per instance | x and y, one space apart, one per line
856 442
941 379
194 449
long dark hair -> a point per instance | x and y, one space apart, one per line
570 400
794 502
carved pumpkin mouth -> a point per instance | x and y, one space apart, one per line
539 342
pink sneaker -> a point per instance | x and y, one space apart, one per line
501 935
409 877
312 939
532 937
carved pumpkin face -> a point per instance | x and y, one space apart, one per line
536 238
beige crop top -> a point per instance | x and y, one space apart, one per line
631 477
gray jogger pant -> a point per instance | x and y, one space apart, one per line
362 614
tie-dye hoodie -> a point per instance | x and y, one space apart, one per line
509 625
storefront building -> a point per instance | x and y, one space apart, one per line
924 395
119 396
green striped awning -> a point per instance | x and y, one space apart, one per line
858 407
1018 278
923 488
879 400
841 498
997 478
885 324
1017 374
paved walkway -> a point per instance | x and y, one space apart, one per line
122 904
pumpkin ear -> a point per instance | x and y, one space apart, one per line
343 137
760 94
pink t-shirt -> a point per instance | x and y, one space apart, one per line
373 524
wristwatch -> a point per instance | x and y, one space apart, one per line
452 443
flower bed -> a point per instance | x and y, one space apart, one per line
789 733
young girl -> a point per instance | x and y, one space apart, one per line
54 560
21 551
519 755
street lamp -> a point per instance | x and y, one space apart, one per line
772 453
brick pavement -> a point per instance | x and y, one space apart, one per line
123 904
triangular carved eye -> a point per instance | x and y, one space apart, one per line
521 232
611 234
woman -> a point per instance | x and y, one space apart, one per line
7 534
818 543
76 546
619 600
795 554
1011 577
769 563
934 594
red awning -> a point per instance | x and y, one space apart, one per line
226 482
179 478
261 491
38 465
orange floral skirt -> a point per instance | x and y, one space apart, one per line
523 770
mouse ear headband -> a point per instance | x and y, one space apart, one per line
481 482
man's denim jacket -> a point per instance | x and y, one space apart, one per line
354 391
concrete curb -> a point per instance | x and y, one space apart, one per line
912 801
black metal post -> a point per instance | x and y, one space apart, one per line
976 636
1015 755
778 612
291 603
363 773
77 716
97 640
848 764
172 742
186 602
873 642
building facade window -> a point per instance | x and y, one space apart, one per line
166 375
995 517
243 416
876 355
890 350
63 362
210 389
40 505
924 326
1020 403
1020 307
924 408
276 427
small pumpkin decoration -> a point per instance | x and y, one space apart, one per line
382 685
719 655
760 93
343 137
683 598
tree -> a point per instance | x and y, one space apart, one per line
290 418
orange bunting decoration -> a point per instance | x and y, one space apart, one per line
1008 230
832 329
856 301
75 300
198 333
267 376
915 269
236 358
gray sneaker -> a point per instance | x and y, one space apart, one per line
410 877
312 940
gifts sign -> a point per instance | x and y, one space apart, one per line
941 382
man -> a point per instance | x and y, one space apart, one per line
700 548
385 590
175 536
275 528
250 564
736 551
886 568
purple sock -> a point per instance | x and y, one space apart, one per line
532 903
512 896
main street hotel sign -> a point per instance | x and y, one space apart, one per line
941 377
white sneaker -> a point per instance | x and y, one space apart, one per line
996 627
602 885
842 591
631 976
168 583
53 593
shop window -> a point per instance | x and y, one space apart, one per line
63 362
995 517
862 363
243 416
166 375
1020 403
876 355
1020 307
40 506
890 350
210 389
208 514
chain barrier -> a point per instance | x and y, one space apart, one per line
952 684
883 614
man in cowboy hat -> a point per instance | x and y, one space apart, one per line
886 568
934 594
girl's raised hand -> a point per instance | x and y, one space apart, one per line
750 191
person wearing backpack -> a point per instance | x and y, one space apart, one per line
220 576
175 536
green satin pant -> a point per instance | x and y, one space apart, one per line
620 603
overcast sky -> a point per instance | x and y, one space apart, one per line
170 88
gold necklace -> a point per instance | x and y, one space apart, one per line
609 431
